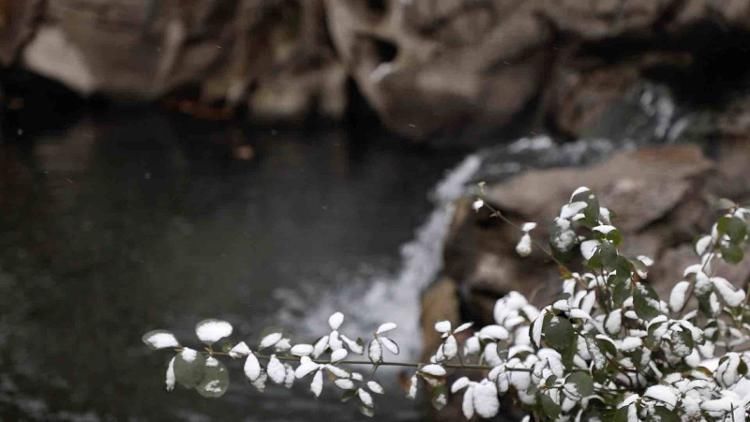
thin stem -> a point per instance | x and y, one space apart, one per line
494 212
367 362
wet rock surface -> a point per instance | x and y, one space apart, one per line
450 69
662 198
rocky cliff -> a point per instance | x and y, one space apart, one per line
455 69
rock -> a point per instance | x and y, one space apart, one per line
271 55
439 303
17 20
456 70
448 67
661 197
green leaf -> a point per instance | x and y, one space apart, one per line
619 415
742 368
189 366
348 395
439 397
215 379
732 253
558 333
614 236
583 383
645 302
665 415
591 213
620 291
733 227
550 408
623 268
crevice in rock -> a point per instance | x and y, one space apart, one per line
385 51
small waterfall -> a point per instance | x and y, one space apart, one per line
395 297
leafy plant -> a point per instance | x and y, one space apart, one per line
609 347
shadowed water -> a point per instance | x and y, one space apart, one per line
124 222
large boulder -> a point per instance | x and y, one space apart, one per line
431 69
437 67
272 55
662 199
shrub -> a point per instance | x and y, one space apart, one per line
609 347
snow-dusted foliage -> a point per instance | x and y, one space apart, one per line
607 348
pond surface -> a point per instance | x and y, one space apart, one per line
129 220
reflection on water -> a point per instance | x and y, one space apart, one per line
131 221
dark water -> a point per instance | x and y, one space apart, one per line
132 220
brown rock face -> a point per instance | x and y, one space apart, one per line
660 197
270 55
450 68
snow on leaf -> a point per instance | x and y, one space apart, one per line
306 366
337 372
494 332
320 346
276 370
523 248
589 248
536 329
433 369
160 339
486 403
252 367
471 345
477 204
663 394
604 229
335 320
527 227
630 343
283 345
260 382
450 347
270 340
170 378
678 296
693 269
613 322
334 342
727 291
239 350
442 326
188 355
209 331
375 351
413 386
375 387
647 261
389 344
316 386
568 211
459 384
467 405
365 397
344 384
578 191
463 327
289 378
701 246
353 346
386 327
302 349
338 355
